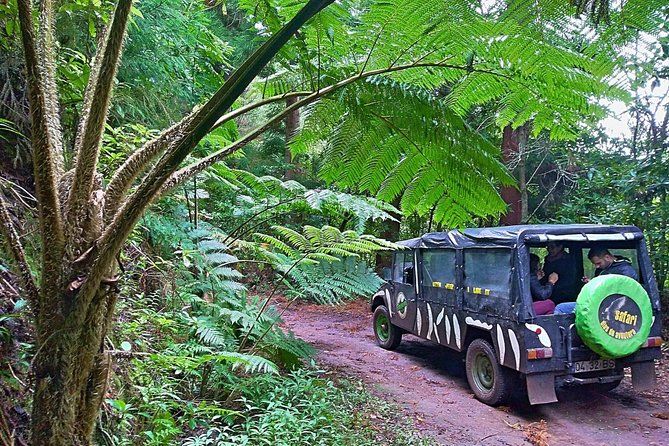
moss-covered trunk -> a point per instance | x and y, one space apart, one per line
70 372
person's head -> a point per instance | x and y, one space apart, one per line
601 257
534 263
554 248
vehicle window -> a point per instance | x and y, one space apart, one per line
438 267
403 271
488 269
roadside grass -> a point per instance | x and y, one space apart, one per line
307 408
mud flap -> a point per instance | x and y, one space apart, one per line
643 375
541 388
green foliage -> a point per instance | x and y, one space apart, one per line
187 341
119 143
173 60
402 136
267 198
428 157
303 409
326 243
324 265
332 283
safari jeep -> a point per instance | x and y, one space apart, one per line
470 291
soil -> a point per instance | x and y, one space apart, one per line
428 382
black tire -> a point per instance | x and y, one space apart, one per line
488 379
387 335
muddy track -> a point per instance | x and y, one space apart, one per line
428 382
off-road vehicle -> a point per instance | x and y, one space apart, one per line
470 291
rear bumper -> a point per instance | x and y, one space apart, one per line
564 364
574 380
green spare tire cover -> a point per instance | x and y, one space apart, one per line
613 315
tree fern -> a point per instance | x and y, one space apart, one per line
248 363
268 196
518 58
323 243
324 264
334 282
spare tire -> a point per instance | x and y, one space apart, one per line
613 315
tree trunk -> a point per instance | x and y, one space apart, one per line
510 194
292 126
513 145
522 174
70 382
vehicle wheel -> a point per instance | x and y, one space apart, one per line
490 381
387 335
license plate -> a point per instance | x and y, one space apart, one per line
591 366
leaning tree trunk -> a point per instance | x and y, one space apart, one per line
292 126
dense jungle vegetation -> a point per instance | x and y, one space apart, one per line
173 175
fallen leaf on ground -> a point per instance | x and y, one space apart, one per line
513 426
661 415
536 433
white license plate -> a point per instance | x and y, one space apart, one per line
591 366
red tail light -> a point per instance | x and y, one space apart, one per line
654 341
539 353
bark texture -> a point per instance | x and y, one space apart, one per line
292 126
513 144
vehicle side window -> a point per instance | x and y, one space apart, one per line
488 271
403 269
438 267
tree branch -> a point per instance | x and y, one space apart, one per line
141 159
136 164
183 174
15 249
95 113
46 53
118 231
45 142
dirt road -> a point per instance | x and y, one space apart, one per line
428 381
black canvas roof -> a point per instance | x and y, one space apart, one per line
513 235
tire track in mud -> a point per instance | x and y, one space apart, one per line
428 382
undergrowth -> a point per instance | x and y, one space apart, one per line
306 408
200 361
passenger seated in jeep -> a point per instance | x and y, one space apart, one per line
564 264
541 294
606 263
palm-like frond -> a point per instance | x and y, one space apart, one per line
323 243
333 282
268 196
373 147
400 141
